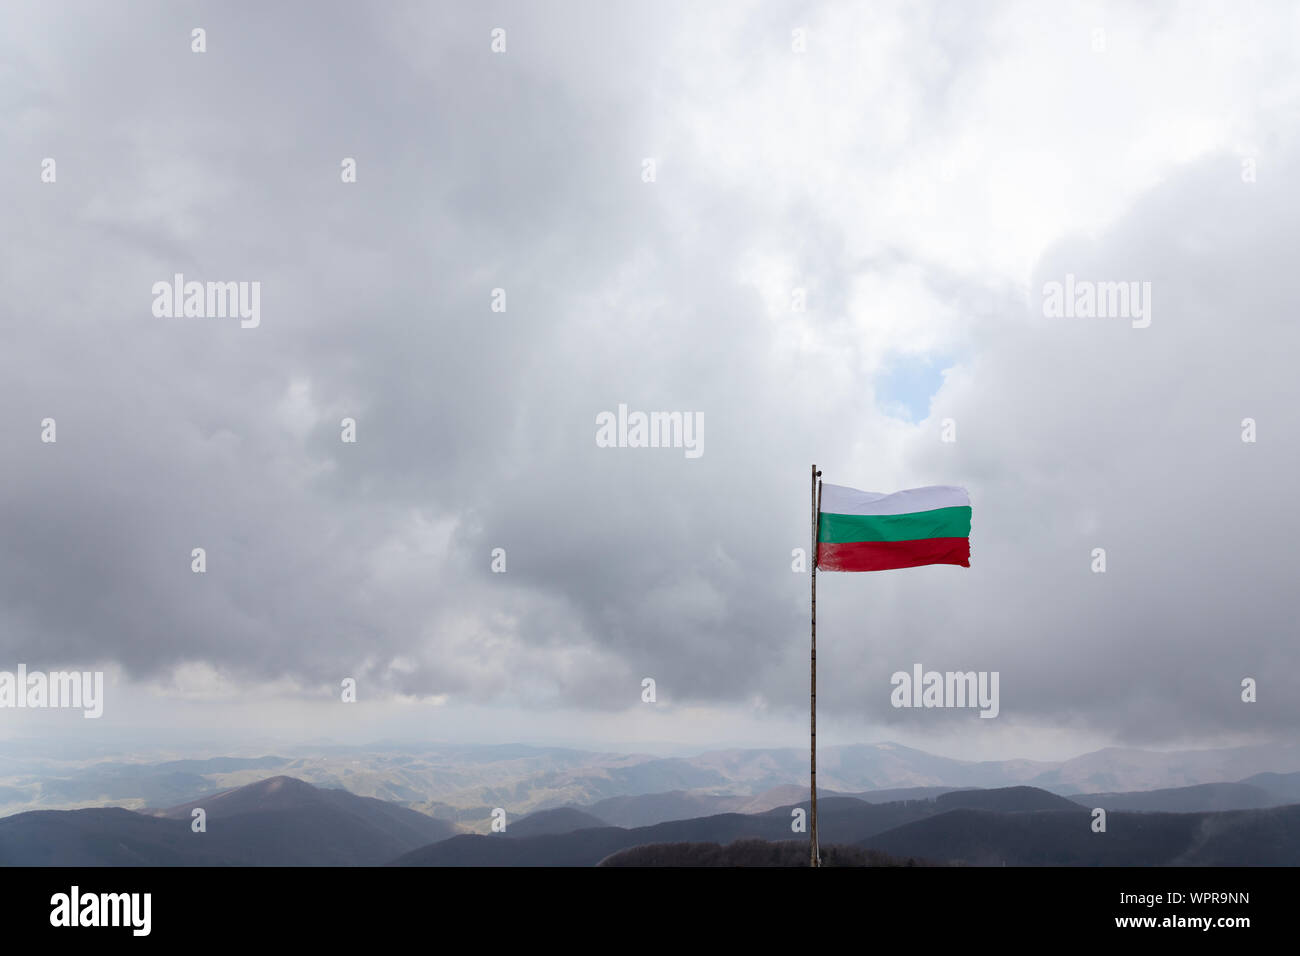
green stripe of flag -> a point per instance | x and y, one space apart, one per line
938 523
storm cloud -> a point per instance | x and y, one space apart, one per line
916 176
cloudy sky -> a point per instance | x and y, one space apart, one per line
916 173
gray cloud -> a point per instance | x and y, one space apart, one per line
476 429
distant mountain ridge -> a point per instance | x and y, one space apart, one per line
282 821
1018 826
279 821
559 820
463 784
1200 797
1269 837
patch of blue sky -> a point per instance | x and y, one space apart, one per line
907 384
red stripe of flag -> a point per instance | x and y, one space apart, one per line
885 555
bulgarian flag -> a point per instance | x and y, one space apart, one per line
867 531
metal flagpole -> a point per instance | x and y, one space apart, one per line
814 852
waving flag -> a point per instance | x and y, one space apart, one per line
867 531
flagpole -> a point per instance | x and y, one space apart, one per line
814 852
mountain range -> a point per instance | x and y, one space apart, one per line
463 784
275 822
282 821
